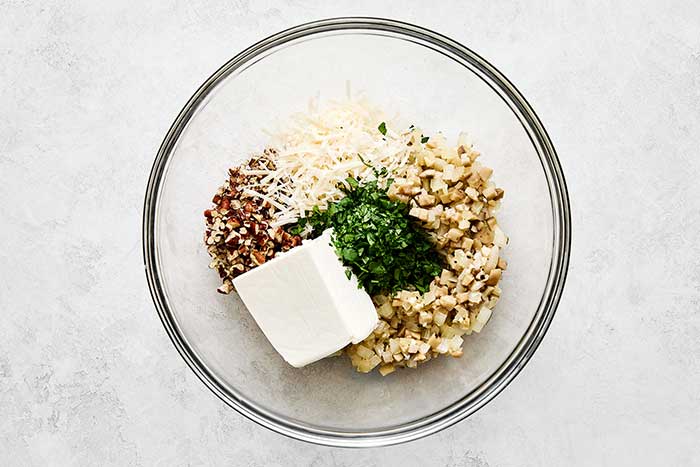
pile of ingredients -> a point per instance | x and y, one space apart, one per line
347 235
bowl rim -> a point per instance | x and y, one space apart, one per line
523 351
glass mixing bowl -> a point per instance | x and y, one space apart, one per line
433 82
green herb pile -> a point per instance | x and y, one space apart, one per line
376 239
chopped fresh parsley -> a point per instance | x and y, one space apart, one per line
376 239
383 172
424 139
382 128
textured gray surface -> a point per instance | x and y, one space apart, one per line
87 375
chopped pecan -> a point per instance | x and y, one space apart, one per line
238 236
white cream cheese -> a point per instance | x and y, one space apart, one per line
304 303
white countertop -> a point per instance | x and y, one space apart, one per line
89 377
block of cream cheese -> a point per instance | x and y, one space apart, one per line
304 303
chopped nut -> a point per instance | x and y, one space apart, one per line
225 288
238 236
258 258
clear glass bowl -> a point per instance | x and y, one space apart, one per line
435 83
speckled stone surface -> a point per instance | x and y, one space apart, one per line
87 374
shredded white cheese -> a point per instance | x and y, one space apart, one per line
323 147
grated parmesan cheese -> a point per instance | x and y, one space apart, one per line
321 148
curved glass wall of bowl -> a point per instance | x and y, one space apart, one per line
427 80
